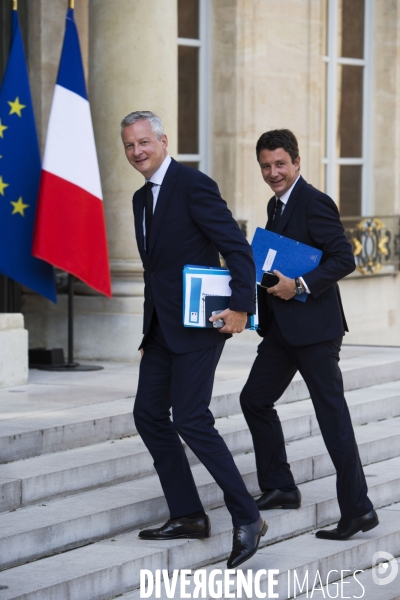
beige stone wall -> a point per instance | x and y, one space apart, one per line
386 108
13 350
371 305
267 73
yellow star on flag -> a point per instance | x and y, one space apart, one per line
3 186
19 207
2 128
16 107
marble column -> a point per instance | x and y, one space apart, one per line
132 66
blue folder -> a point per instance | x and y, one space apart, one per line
203 294
293 259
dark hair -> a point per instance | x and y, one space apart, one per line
278 138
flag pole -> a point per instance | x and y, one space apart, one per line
70 362
6 279
70 365
5 293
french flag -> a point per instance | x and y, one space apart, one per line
70 230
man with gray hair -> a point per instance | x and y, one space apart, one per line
180 219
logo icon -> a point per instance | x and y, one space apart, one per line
313 257
384 568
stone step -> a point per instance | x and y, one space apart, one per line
304 564
37 434
33 435
358 372
112 567
58 525
73 471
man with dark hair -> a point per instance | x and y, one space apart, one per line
180 218
305 337
279 138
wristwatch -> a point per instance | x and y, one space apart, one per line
299 288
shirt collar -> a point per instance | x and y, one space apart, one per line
159 175
285 197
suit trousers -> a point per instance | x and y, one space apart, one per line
275 366
184 383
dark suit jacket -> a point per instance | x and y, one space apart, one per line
311 217
191 225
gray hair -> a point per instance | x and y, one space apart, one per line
156 124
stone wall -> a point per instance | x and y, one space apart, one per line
13 350
267 74
371 305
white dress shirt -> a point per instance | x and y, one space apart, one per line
284 199
156 179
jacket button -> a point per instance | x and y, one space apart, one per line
153 273
150 298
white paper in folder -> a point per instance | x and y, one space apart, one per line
199 282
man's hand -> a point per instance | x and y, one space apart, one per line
141 352
235 321
285 289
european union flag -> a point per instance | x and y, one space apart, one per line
20 170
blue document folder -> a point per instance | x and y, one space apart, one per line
293 259
207 289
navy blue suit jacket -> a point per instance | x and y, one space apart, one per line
311 217
191 225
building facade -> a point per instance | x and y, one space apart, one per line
219 73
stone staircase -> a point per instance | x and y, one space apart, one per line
77 483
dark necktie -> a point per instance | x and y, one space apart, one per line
277 215
148 211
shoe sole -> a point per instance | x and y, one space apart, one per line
369 527
344 539
283 506
262 533
192 536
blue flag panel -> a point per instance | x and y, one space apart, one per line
70 72
19 175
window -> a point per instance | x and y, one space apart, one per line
193 83
347 163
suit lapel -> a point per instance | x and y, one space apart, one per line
163 199
291 203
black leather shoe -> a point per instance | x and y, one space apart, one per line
246 539
179 528
278 499
348 527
